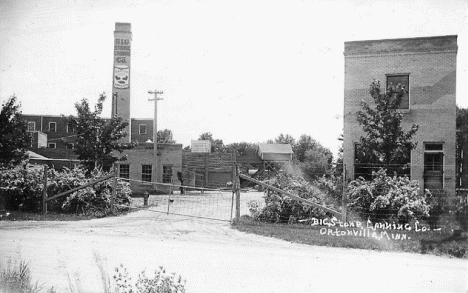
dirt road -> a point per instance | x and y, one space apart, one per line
215 258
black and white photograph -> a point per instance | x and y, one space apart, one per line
207 146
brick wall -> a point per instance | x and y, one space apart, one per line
168 154
431 65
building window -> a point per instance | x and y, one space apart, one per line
433 147
31 126
124 171
402 79
70 128
71 146
52 145
167 173
146 171
142 129
52 127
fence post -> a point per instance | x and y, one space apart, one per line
114 187
237 188
344 198
44 191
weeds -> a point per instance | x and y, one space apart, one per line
17 279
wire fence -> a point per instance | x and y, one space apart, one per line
199 202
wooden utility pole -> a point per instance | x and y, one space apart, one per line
155 135
237 188
44 191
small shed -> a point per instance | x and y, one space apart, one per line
275 152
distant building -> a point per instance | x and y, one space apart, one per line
427 67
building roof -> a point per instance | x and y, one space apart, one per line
274 148
407 45
35 156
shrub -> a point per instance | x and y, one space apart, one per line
281 208
388 198
331 185
23 187
17 279
161 282
95 200
461 212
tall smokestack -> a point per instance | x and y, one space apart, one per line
121 74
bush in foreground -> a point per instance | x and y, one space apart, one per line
388 198
22 188
281 208
18 279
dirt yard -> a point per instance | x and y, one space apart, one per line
212 257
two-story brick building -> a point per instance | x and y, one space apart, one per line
427 68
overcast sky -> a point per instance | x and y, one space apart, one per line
242 70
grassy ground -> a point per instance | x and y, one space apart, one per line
28 216
384 240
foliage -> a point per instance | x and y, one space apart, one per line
285 138
95 200
461 212
331 185
217 145
241 148
165 136
385 142
461 145
17 279
97 138
281 208
439 205
309 155
161 282
388 198
23 188
316 160
14 138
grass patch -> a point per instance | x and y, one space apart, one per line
382 240
28 216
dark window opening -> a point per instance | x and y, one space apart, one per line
167 173
124 171
146 172
393 81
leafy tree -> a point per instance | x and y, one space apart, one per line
384 142
462 146
240 147
217 145
165 136
14 138
97 138
285 138
314 158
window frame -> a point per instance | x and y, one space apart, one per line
407 87
70 127
55 126
125 174
139 129
165 178
33 123
49 144
147 172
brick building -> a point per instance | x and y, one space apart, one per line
427 67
